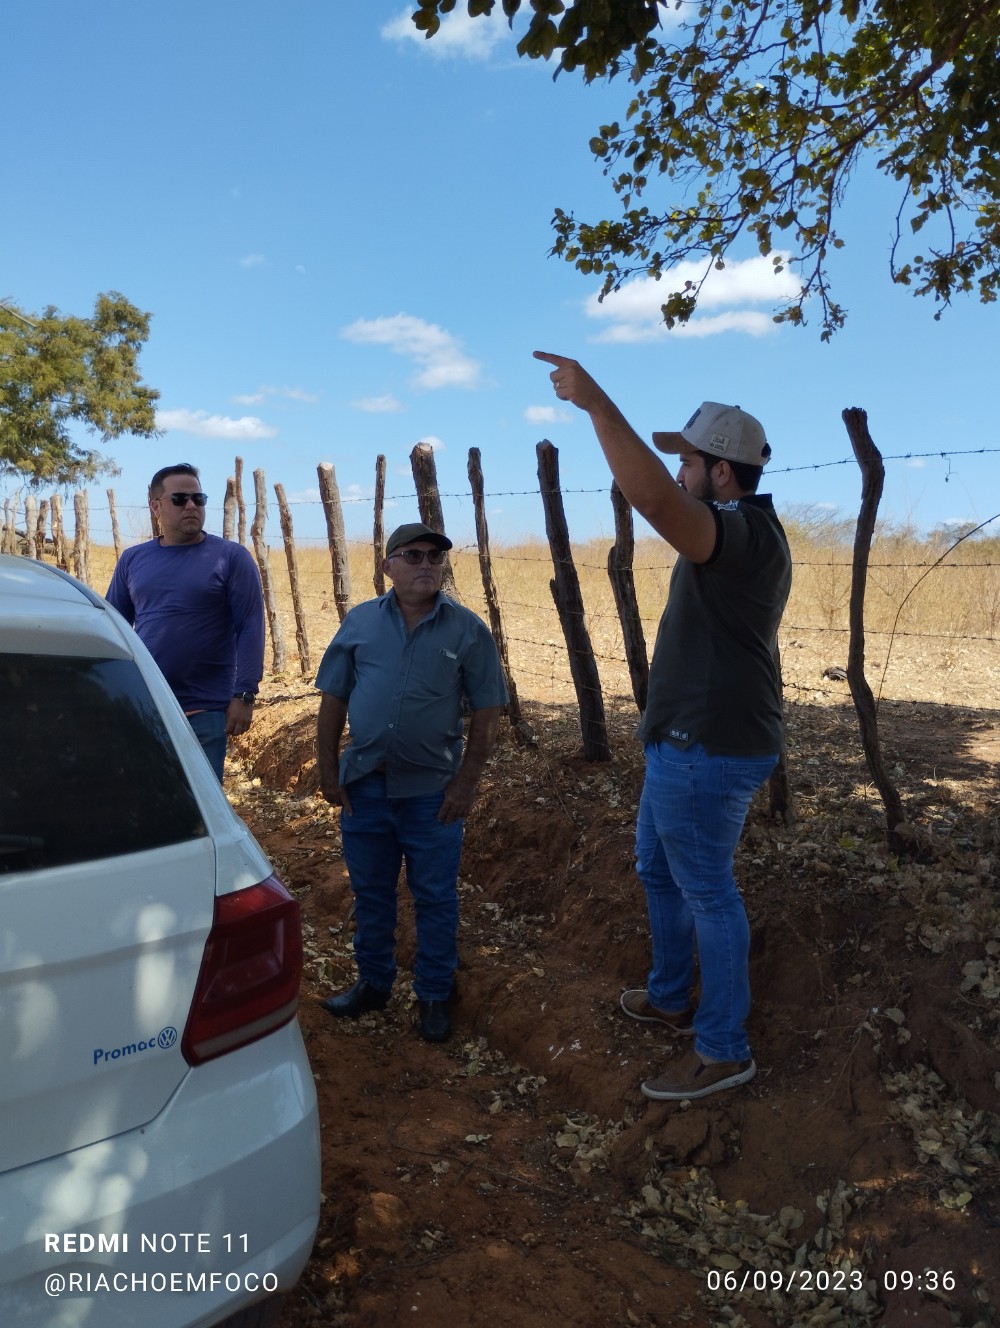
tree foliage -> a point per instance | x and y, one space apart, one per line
748 119
590 34
56 370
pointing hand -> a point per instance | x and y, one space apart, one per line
571 381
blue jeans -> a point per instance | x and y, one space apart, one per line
691 816
210 730
379 834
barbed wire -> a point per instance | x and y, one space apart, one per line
560 674
500 555
352 499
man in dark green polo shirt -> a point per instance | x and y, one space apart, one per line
400 670
712 729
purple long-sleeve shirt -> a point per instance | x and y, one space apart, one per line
198 610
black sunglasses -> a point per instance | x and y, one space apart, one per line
182 499
416 556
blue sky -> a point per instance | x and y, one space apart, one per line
342 233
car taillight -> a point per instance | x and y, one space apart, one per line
250 972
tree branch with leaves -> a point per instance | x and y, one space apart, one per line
749 118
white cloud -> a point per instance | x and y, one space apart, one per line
200 423
252 260
634 311
747 321
287 393
916 463
434 443
385 405
547 415
459 37
441 360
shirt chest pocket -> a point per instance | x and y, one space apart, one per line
441 674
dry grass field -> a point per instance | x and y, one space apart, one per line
931 630
516 1173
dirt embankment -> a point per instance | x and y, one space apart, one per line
516 1174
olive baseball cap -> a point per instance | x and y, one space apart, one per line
411 534
723 431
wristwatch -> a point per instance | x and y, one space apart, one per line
247 698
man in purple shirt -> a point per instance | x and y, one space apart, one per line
195 602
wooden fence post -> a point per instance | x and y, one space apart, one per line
43 517
81 538
229 509
301 637
378 533
267 585
429 505
240 504
330 495
9 542
620 558
521 729
115 533
58 533
872 479
30 525
565 587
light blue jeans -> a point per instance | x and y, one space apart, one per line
210 730
377 837
691 816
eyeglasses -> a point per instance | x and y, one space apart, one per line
182 499
416 556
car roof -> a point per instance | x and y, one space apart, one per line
45 611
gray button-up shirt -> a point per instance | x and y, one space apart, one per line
404 691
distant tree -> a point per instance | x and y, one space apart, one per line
55 370
755 113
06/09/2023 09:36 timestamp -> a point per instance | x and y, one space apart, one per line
790 1280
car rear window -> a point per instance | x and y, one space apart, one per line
89 770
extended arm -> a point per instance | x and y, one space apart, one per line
461 792
684 521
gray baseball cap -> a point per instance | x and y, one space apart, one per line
723 431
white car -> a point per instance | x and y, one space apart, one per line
159 1138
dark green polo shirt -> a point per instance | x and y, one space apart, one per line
713 679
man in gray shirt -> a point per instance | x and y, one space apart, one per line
400 670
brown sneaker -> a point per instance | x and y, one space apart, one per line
636 1005
693 1076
